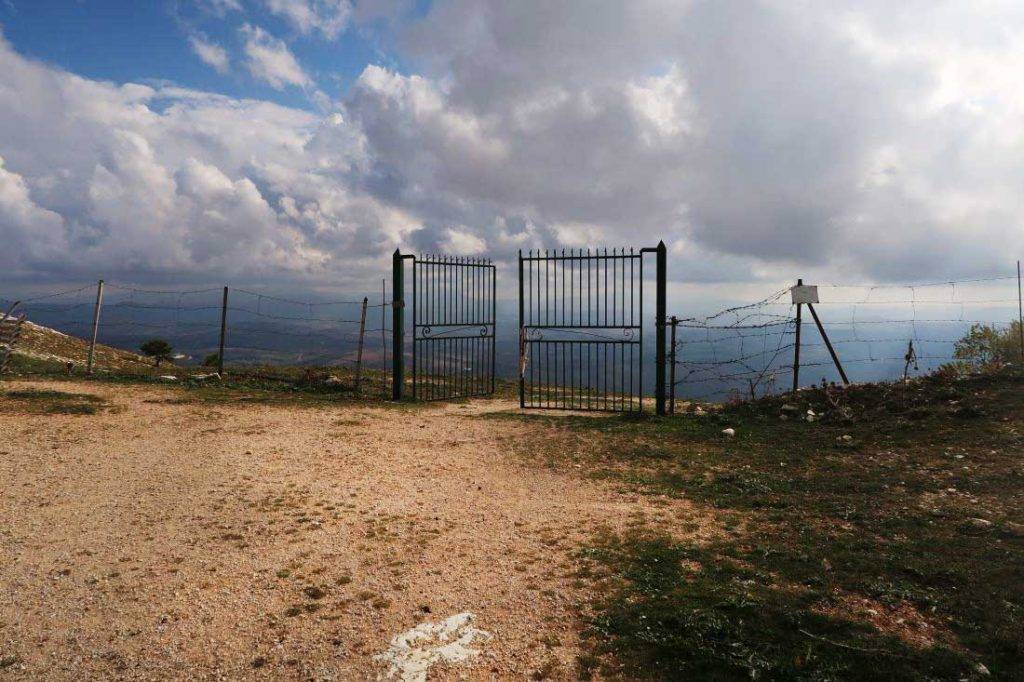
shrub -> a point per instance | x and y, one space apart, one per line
986 347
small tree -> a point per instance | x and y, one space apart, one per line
212 360
986 347
158 349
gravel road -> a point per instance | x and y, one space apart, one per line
168 540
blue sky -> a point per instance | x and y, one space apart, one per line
147 40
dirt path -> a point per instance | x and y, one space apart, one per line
187 540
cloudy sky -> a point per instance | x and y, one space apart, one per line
299 142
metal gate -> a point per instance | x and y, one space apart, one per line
453 324
581 329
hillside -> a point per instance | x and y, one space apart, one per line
50 348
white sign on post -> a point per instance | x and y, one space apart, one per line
804 293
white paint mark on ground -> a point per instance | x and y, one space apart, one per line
413 652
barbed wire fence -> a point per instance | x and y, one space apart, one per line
878 332
337 342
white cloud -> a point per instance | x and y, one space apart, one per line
270 60
210 53
220 7
463 243
329 17
134 181
855 137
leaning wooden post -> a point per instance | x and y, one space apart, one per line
659 374
95 327
397 326
796 347
223 332
828 344
359 352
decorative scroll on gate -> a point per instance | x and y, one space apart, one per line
453 303
581 335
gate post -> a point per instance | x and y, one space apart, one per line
397 326
662 274
522 338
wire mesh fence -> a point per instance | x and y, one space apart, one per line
343 343
878 332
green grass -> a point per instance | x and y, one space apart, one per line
810 521
50 402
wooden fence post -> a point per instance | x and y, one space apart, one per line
95 327
359 352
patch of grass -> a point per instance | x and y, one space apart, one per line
33 401
812 522
679 612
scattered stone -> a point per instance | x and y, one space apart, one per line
333 381
1013 530
788 408
729 433
981 669
167 377
205 377
980 524
314 592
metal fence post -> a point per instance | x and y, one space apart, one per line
672 368
660 305
223 332
1020 315
796 344
359 352
95 327
398 326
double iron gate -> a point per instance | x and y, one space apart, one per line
581 328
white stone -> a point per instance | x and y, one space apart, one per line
411 653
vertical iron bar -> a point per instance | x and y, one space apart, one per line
662 285
415 330
398 326
493 271
223 332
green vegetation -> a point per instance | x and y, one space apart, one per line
986 347
158 349
50 402
884 539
